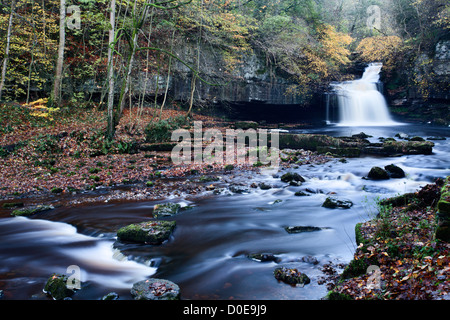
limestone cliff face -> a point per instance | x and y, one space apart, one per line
426 97
251 81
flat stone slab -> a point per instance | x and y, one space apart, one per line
166 210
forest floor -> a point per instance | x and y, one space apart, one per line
398 257
58 158
63 158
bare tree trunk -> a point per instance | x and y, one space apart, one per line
126 84
110 110
60 61
8 43
194 79
168 76
32 52
126 87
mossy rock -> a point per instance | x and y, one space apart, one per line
408 147
399 201
208 179
166 210
444 204
56 287
358 235
244 125
307 141
264 186
150 232
11 205
337 296
291 276
349 152
354 269
443 231
394 171
334 203
290 177
377 173
155 289
28 211
228 167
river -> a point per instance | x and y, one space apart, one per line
207 253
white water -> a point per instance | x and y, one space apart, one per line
360 103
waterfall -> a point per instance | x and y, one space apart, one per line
360 103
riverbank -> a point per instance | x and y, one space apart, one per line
399 256
63 161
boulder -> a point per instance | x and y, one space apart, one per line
310 259
292 178
56 287
402 135
264 186
361 135
291 276
377 173
334 203
155 289
150 232
394 171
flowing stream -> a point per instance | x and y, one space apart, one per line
207 253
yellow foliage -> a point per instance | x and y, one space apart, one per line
40 109
335 44
382 49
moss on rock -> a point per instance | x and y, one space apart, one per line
56 287
334 203
166 210
354 269
28 211
291 276
150 232
377 173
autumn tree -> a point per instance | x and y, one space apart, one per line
385 49
56 93
8 44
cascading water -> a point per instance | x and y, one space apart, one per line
359 102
